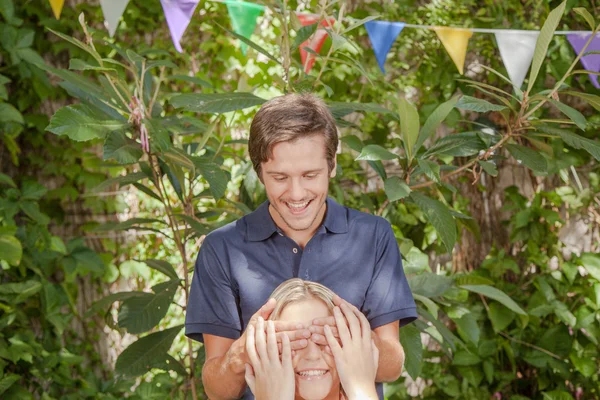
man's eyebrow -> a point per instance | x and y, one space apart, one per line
312 171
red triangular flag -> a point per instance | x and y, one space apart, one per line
315 43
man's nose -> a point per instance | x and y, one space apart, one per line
297 190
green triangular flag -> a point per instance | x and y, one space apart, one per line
243 18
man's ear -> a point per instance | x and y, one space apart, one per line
334 169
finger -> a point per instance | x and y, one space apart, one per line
324 321
251 346
295 344
321 340
365 326
334 346
321 331
282 326
328 350
266 310
341 326
353 322
337 300
272 342
286 353
294 335
261 340
250 379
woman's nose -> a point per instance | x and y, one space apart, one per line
313 351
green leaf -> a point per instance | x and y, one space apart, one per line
22 290
591 263
585 365
464 358
159 135
7 381
379 168
396 189
32 210
77 43
575 141
592 100
121 148
341 109
500 316
164 267
434 120
557 395
215 102
587 16
251 44
8 113
139 357
10 249
497 295
430 169
472 280
472 374
374 152
147 190
409 125
198 227
108 300
468 328
572 113
7 180
80 65
353 142
529 157
214 175
479 105
457 145
81 124
304 33
489 167
120 180
410 338
429 285
543 41
140 314
439 216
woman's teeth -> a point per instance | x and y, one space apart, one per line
312 373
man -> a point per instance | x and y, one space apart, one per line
298 232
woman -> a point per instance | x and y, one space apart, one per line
346 370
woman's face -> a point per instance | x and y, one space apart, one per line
316 376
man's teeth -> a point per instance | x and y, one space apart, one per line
298 205
313 373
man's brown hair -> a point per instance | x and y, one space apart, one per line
288 118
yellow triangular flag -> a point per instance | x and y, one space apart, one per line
455 40
57 6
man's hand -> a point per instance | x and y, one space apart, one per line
318 326
297 333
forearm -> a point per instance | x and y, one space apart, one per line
220 381
391 359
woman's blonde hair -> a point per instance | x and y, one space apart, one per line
296 289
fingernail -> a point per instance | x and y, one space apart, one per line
303 342
327 328
316 336
312 329
260 319
300 326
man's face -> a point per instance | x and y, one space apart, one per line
296 180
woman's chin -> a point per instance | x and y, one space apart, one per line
314 389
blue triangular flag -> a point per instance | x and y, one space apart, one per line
382 35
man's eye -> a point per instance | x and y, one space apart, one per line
280 178
310 176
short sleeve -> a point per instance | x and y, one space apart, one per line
212 305
388 297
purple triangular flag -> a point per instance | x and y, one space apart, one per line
590 62
178 14
382 35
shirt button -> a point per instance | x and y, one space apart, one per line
295 250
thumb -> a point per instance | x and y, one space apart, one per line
250 379
266 310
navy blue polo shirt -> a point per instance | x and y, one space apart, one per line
355 254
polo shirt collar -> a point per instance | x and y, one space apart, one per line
260 224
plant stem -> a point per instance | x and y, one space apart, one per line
533 346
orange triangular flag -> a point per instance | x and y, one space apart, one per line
316 42
455 40
57 6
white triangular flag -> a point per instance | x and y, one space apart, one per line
516 50
113 10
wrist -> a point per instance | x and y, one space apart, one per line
362 392
235 358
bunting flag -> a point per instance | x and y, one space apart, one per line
516 50
113 10
243 18
57 6
178 14
314 43
456 41
591 62
383 34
